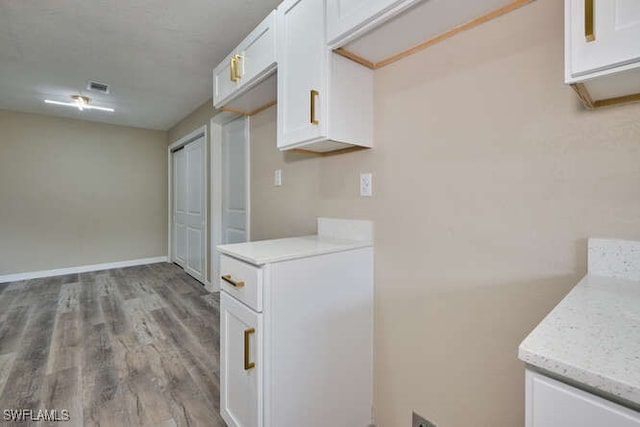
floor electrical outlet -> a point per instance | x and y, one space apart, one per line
419 421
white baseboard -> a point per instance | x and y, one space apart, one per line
211 287
81 269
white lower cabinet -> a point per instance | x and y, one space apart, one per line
551 403
241 363
296 341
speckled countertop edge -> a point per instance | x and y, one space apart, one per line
278 250
592 337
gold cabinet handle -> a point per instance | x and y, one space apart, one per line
237 67
248 365
312 101
232 69
588 21
227 278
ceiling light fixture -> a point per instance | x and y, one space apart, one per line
79 102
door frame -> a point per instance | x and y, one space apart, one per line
190 137
217 122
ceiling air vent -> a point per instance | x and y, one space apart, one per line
98 87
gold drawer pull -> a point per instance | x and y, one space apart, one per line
248 365
237 67
588 21
227 278
313 94
232 69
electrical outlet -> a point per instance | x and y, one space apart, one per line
277 178
366 184
419 421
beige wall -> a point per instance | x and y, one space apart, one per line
74 193
197 118
201 116
284 211
488 179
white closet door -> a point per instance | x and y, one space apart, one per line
196 212
180 208
235 183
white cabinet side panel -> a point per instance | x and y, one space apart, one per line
318 348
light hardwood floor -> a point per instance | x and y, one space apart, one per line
124 347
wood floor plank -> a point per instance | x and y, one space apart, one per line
90 311
10 298
60 392
143 325
70 278
204 368
66 347
6 364
11 330
69 298
125 282
99 376
22 388
106 284
187 403
113 311
137 381
173 298
136 346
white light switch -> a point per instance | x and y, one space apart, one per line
366 184
277 178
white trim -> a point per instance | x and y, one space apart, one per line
247 171
216 199
191 136
81 269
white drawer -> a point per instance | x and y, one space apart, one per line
242 281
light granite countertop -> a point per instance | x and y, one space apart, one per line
592 337
334 235
278 250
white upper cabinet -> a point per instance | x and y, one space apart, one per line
325 102
257 53
346 17
601 35
224 80
301 67
252 62
380 31
602 50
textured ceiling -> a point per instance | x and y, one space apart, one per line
157 55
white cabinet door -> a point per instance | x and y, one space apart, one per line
180 253
235 181
616 34
257 53
241 402
225 81
551 403
347 16
196 214
189 208
302 72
